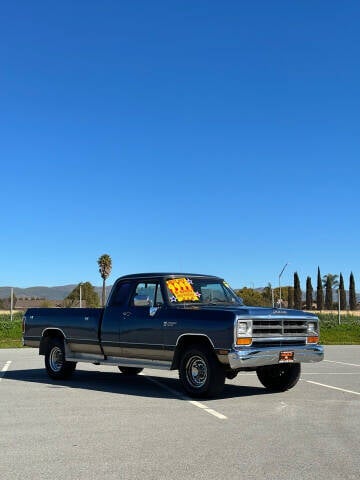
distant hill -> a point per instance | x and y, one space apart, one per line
49 293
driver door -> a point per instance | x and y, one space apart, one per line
141 329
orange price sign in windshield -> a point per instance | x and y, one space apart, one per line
182 289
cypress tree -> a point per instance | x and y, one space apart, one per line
297 292
319 292
290 297
309 294
342 293
352 293
328 294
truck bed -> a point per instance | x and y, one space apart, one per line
79 326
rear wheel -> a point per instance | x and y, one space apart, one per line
279 378
56 365
200 373
130 370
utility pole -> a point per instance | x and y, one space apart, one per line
80 285
282 271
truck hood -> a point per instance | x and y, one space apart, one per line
255 311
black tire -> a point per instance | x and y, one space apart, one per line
200 372
279 378
130 370
56 365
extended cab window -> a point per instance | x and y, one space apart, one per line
121 294
151 290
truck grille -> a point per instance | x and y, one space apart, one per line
279 327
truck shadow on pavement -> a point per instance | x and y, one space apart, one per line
139 385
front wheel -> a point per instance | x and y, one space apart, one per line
56 365
279 378
200 373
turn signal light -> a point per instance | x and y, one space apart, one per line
244 341
312 339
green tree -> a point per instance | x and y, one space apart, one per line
319 292
352 293
342 293
290 294
251 297
333 280
297 292
328 293
88 294
284 293
105 266
309 294
267 295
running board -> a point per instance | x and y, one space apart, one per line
118 361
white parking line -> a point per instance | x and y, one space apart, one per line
208 410
4 369
343 363
183 397
333 388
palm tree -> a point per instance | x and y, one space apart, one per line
105 265
333 280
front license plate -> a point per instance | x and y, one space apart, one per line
286 357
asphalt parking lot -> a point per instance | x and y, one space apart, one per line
104 425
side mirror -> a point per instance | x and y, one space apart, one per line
142 301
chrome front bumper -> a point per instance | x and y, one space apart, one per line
250 357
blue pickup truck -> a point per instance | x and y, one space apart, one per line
187 322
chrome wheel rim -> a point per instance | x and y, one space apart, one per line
196 371
56 359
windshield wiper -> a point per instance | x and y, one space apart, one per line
218 302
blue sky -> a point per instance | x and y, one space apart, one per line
207 136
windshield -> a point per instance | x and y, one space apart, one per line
200 290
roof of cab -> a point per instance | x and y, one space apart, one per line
166 275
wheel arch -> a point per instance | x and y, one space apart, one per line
47 335
185 340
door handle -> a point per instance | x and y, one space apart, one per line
126 314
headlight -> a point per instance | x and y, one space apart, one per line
243 332
311 328
312 332
242 328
